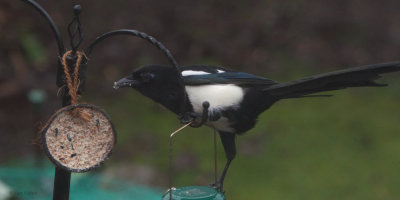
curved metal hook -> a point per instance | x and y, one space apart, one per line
153 41
136 33
54 28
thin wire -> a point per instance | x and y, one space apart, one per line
170 156
50 21
215 157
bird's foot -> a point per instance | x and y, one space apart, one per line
187 117
218 186
214 115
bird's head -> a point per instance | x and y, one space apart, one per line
157 82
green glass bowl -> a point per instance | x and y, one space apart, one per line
194 193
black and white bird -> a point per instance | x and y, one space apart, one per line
237 98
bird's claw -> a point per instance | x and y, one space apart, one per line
187 117
191 116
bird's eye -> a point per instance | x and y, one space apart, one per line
147 77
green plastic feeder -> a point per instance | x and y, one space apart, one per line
194 193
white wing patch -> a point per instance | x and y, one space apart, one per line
192 72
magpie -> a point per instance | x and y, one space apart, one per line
237 98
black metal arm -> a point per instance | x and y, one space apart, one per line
61 49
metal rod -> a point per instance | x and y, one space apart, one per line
215 157
62 181
54 28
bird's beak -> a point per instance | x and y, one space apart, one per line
124 82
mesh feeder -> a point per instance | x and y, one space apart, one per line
79 137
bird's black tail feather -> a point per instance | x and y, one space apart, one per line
354 77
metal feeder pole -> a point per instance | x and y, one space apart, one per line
62 178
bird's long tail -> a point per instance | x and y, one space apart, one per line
354 77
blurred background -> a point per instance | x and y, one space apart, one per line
343 147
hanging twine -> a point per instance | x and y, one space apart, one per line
73 84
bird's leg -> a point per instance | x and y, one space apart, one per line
229 144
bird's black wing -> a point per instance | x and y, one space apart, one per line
353 77
237 78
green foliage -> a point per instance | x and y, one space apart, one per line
32 47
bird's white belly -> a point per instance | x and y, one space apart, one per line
219 96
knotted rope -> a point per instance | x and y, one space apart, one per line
73 82
73 85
